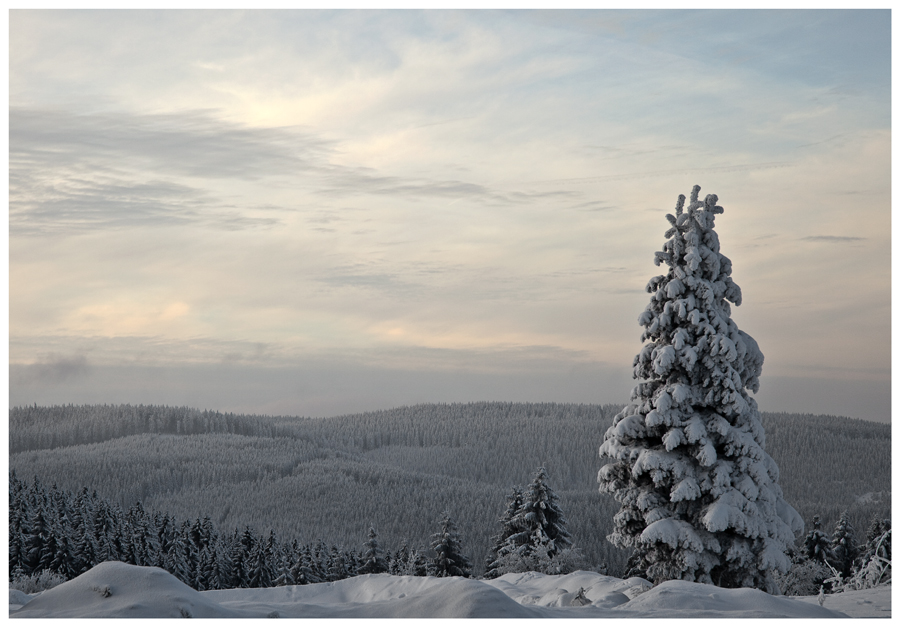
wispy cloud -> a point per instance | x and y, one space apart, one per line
73 172
630 176
835 239
85 172
193 143
76 204
360 183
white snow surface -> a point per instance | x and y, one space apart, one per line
114 589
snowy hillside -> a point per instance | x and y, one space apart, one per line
357 471
114 589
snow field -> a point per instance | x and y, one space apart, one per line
114 589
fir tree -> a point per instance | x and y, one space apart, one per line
449 560
337 565
698 494
817 544
373 562
352 560
537 534
513 503
321 562
84 544
16 522
105 532
16 552
539 520
177 558
64 561
204 575
240 557
843 545
261 558
878 543
399 564
417 566
220 576
304 571
37 555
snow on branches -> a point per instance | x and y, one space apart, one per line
533 534
699 496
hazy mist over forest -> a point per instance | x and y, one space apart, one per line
323 212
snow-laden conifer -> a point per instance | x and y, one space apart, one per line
817 544
536 538
449 560
843 545
513 503
399 563
337 565
878 543
699 495
177 558
373 561
540 519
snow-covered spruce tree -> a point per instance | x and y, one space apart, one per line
843 545
877 528
513 503
817 544
699 496
373 562
539 518
449 560
398 564
873 566
537 539
418 563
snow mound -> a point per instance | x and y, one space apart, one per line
114 589
688 599
17 598
601 591
377 596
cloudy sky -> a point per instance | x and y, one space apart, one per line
322 212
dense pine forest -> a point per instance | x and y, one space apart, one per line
308 480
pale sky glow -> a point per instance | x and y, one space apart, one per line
313 212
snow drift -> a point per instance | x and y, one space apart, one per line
117 590
114 589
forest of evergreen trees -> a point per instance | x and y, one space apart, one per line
397 470
57 531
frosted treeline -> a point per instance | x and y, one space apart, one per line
333 478
53 531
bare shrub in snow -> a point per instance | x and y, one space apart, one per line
539 560
37 582
804 578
